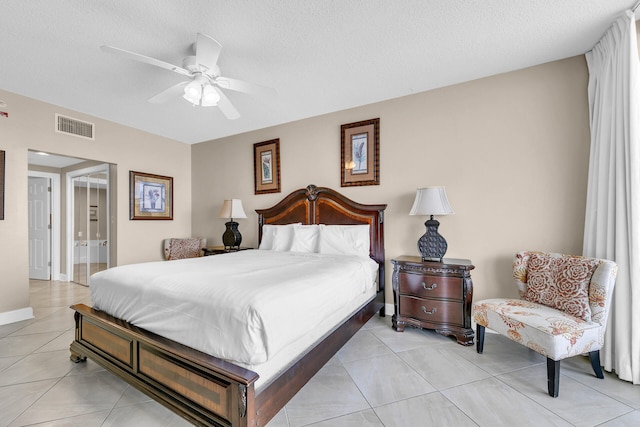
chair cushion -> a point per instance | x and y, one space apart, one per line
548 331
560 282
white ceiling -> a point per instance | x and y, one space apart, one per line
320 55
52 160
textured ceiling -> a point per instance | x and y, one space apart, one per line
320 55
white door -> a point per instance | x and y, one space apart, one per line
39 228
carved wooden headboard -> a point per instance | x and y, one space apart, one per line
321 205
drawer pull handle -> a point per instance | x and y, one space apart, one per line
432 311
430 288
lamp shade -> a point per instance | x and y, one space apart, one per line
232 209
431 201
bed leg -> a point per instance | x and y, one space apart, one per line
382 312
77 358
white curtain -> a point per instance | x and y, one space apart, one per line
612 222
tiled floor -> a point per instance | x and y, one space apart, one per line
380 378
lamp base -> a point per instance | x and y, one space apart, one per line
232 237
432 245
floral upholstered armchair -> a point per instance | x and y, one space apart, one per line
183 248
563 311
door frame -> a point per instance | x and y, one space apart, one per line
102 168
54 179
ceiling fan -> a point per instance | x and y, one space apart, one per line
204 83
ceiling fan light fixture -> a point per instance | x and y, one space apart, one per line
210 96
204 86
193 92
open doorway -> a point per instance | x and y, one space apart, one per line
89 215
71 256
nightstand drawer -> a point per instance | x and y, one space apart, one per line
430 286
433 311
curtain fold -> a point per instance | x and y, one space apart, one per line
612 217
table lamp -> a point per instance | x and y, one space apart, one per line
232 209
431 201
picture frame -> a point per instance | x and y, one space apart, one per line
151 196
360 153
2 163
266 166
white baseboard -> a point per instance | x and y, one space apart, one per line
16 315
63 278
389 309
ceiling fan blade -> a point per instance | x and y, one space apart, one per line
226 106
146 59
169 93
245 87
207 51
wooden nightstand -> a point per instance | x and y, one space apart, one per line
433 295
217 250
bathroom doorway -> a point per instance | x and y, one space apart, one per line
89 214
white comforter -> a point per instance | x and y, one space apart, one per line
243 306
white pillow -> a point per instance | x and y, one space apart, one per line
345 239
268 232
305 238
282 239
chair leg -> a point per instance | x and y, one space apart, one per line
479 338
553 377
594 358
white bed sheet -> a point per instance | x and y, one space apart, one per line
291 353
244 307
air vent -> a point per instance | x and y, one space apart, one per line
74 127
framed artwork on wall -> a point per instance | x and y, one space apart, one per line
266 166
360 153
151 196
2 184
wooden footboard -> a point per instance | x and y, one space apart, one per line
203 389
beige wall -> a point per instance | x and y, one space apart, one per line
30 125
512 151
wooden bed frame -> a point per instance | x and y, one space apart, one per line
204 389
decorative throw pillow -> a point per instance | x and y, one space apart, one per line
560 282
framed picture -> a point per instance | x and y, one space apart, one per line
266 166
151 196
1 184
360 153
